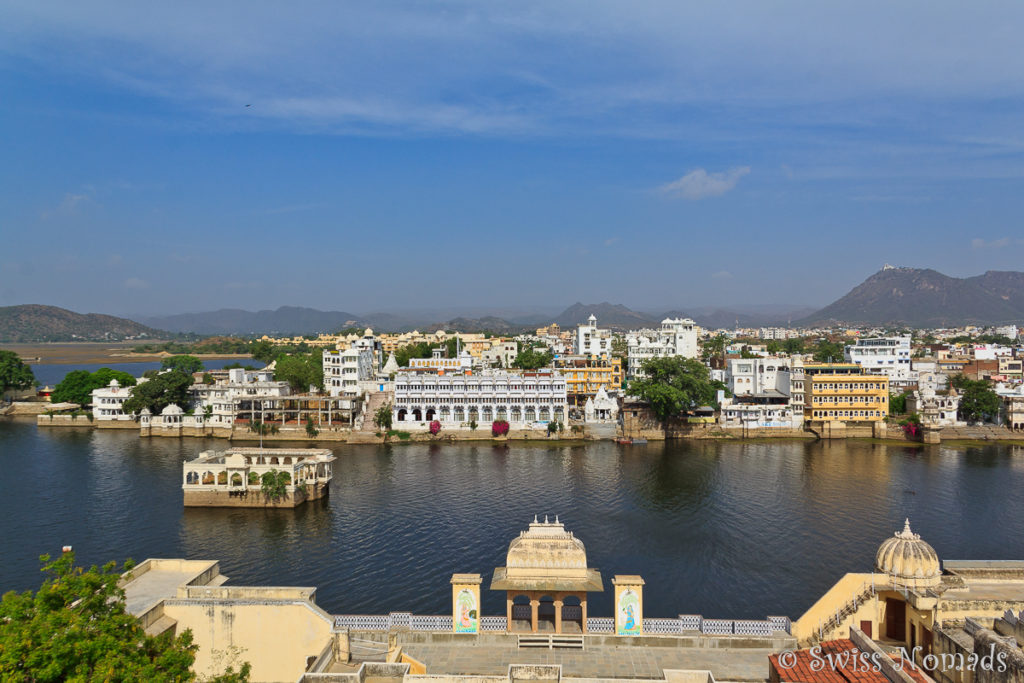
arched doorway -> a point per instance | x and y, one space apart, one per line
546 615
402 413
522 614
417 416
430 414
572 615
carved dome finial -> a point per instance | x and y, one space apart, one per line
908 559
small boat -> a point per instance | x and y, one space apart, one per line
639 441
624 441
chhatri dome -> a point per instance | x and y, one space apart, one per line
908 559
546 557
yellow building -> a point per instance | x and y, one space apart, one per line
585 375
837 395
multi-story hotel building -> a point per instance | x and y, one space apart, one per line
889 356
845 397
453 400
592 340
586 375
345 369
677 337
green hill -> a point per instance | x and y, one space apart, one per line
34 323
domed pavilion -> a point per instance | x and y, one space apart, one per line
908 560
546 580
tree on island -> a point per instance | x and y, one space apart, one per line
159 392
14 373
76 627
77 386
186 364
673 384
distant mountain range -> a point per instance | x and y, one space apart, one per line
36 323
927 298
286 320
898 296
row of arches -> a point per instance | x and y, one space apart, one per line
485 414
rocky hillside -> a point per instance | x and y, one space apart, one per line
34 323
927 298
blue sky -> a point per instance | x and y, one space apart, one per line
399 155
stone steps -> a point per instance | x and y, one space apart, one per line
550 641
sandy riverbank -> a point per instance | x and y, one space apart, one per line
83 353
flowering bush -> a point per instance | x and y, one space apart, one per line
435 427
499 428
912 425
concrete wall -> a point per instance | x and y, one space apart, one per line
276 638
252 498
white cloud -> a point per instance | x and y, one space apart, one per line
722 275
610 241
136 283
699 184
979 243
68 206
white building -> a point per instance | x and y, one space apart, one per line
601 408
352 370
439 362
1010 331
889 356
107 402
677 337
935 409
221 401
592 340
501 354
754 376
454 400
760 415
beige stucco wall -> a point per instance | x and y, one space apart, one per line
276 638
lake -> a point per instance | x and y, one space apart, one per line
731 530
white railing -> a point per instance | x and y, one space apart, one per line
655 626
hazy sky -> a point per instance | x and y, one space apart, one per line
657 154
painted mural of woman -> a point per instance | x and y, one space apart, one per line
629 606
467 611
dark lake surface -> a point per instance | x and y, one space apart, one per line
52 373
732 530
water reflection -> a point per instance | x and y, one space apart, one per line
723 529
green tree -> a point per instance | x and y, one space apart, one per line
301 370
620 347
714 347
792 346
14 374
76 627
898 403
262 350
673 384
159 392
828 351
311 430
274 484
532 358
382 417
978 403
77 386
186 364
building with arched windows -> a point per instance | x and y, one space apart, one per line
459 399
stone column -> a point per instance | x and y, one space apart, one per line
534 605
508 618
558 614
583 609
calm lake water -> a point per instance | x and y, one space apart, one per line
47 373
723 530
